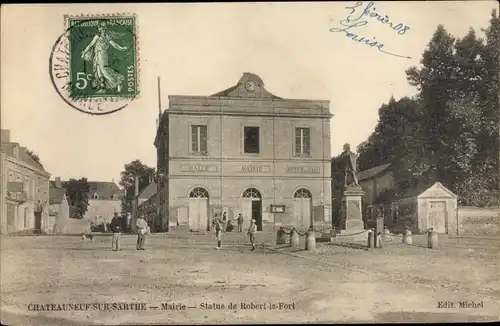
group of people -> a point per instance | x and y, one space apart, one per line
220 225
142 231
227 226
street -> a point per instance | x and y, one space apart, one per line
181 278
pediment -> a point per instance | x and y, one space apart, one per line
249 86
437 191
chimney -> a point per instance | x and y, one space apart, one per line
5 136
58 182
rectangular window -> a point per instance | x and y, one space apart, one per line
302 141
199 139
251 139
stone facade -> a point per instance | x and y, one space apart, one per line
24 190
288 163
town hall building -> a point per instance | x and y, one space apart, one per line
244 150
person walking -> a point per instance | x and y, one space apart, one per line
217 224
115 227
224 222
142 229
252 229
240 222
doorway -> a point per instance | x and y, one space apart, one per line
252 207
38 222
257 213
198 210
302 209
437 216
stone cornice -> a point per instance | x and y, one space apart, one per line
248 114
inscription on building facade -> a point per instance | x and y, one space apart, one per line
199 168
254 169
303 169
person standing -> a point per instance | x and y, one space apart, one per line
115 227
142 229
217 224
252 229
224 222
240 222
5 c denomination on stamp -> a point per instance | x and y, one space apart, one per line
94 64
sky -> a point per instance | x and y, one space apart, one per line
201 49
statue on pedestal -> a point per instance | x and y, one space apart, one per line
349 163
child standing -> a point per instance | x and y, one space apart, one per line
252 229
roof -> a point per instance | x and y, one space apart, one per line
104 189
148 191
437 190
370 173
56 195
239 90
8 148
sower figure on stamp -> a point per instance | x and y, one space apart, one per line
240 222
97 53
115 226
142 229
349 158
252 229
217 225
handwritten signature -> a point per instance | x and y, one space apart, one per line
350 23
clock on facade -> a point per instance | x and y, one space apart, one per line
250 86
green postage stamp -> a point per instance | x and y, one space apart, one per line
94 64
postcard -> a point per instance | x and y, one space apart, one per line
250 163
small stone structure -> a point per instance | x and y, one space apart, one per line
434 208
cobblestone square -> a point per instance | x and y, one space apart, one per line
339 282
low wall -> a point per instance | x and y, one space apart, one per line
478 221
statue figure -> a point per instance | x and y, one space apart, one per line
349 161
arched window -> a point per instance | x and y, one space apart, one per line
198 193
302 193
251 193
96 196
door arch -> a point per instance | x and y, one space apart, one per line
252 207
198 209
302 204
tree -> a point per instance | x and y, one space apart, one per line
450 131
134 169
34 157
77 192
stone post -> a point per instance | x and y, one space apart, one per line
407 237
310 240
369 242
432 239
294 238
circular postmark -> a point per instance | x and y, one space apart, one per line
93 64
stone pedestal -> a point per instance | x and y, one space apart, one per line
351 211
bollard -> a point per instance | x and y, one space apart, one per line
407 237
281 236
380 242
369 243
310 240
432 239
294 238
